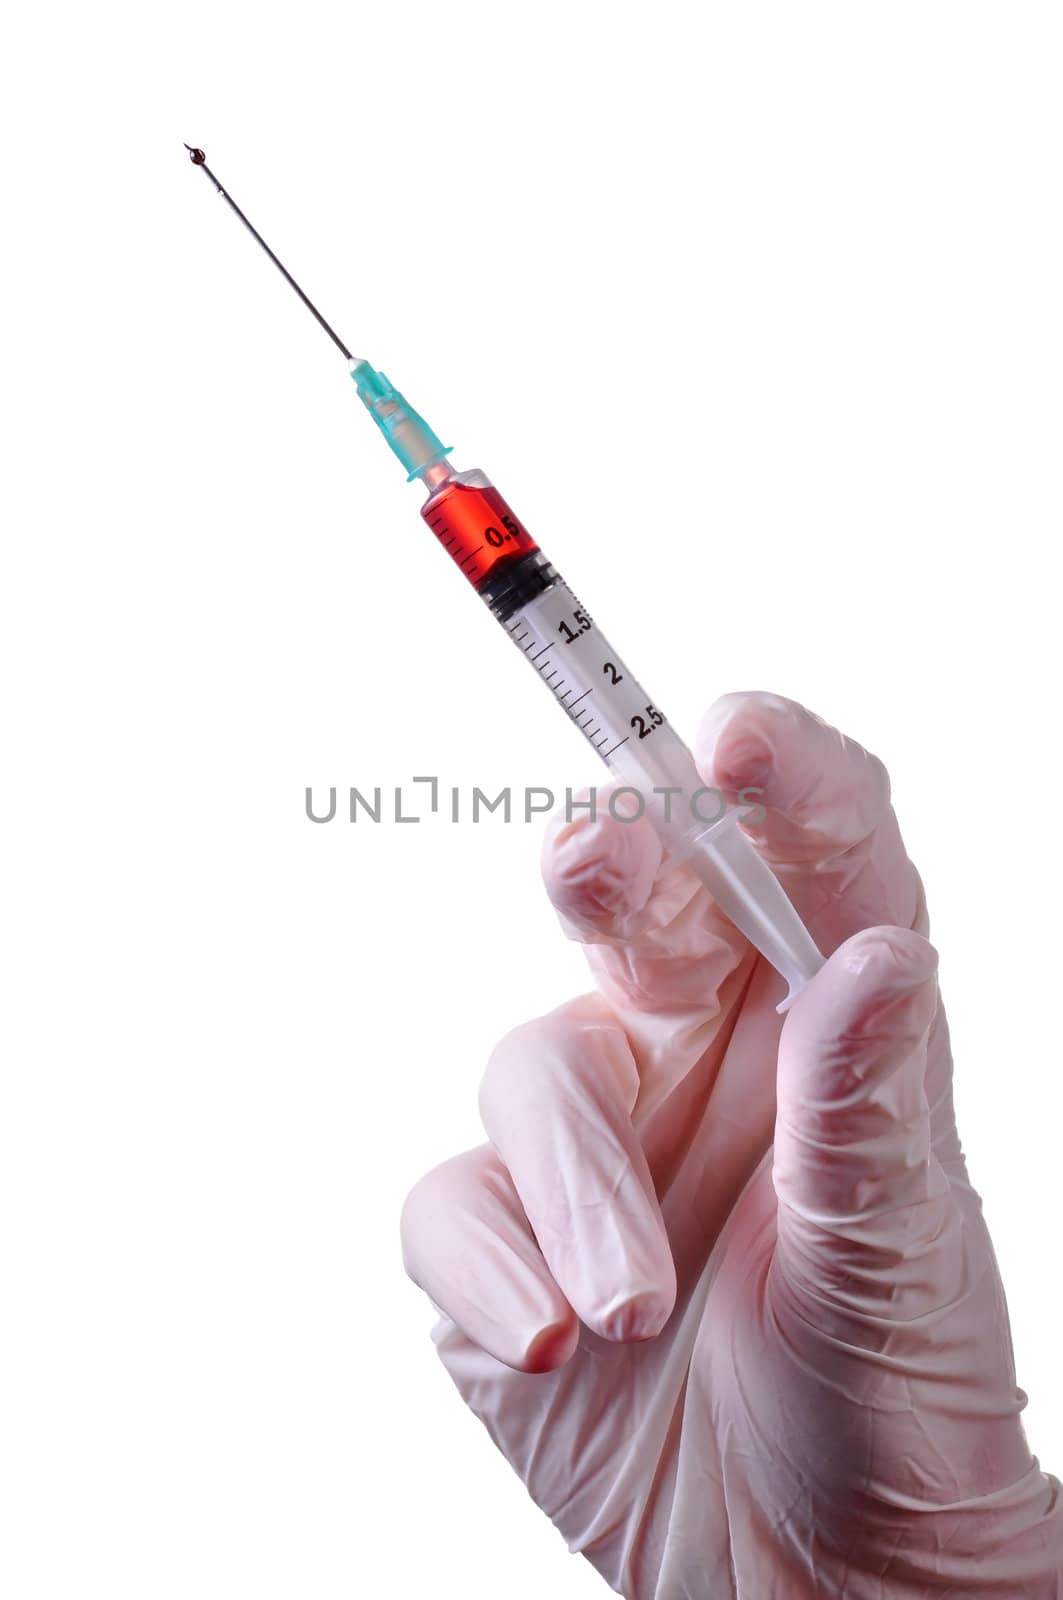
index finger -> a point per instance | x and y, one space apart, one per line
828 828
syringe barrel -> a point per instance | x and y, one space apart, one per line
599 693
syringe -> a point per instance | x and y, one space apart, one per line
499 557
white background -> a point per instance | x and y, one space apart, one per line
754 315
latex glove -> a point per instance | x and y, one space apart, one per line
726 1300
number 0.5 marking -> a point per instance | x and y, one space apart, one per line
496 538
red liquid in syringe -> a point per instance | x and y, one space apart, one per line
477 529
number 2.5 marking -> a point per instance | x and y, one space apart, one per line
644 728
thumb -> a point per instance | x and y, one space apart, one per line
864 1206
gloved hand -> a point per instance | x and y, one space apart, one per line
719 1285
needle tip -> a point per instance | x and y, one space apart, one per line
197 156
